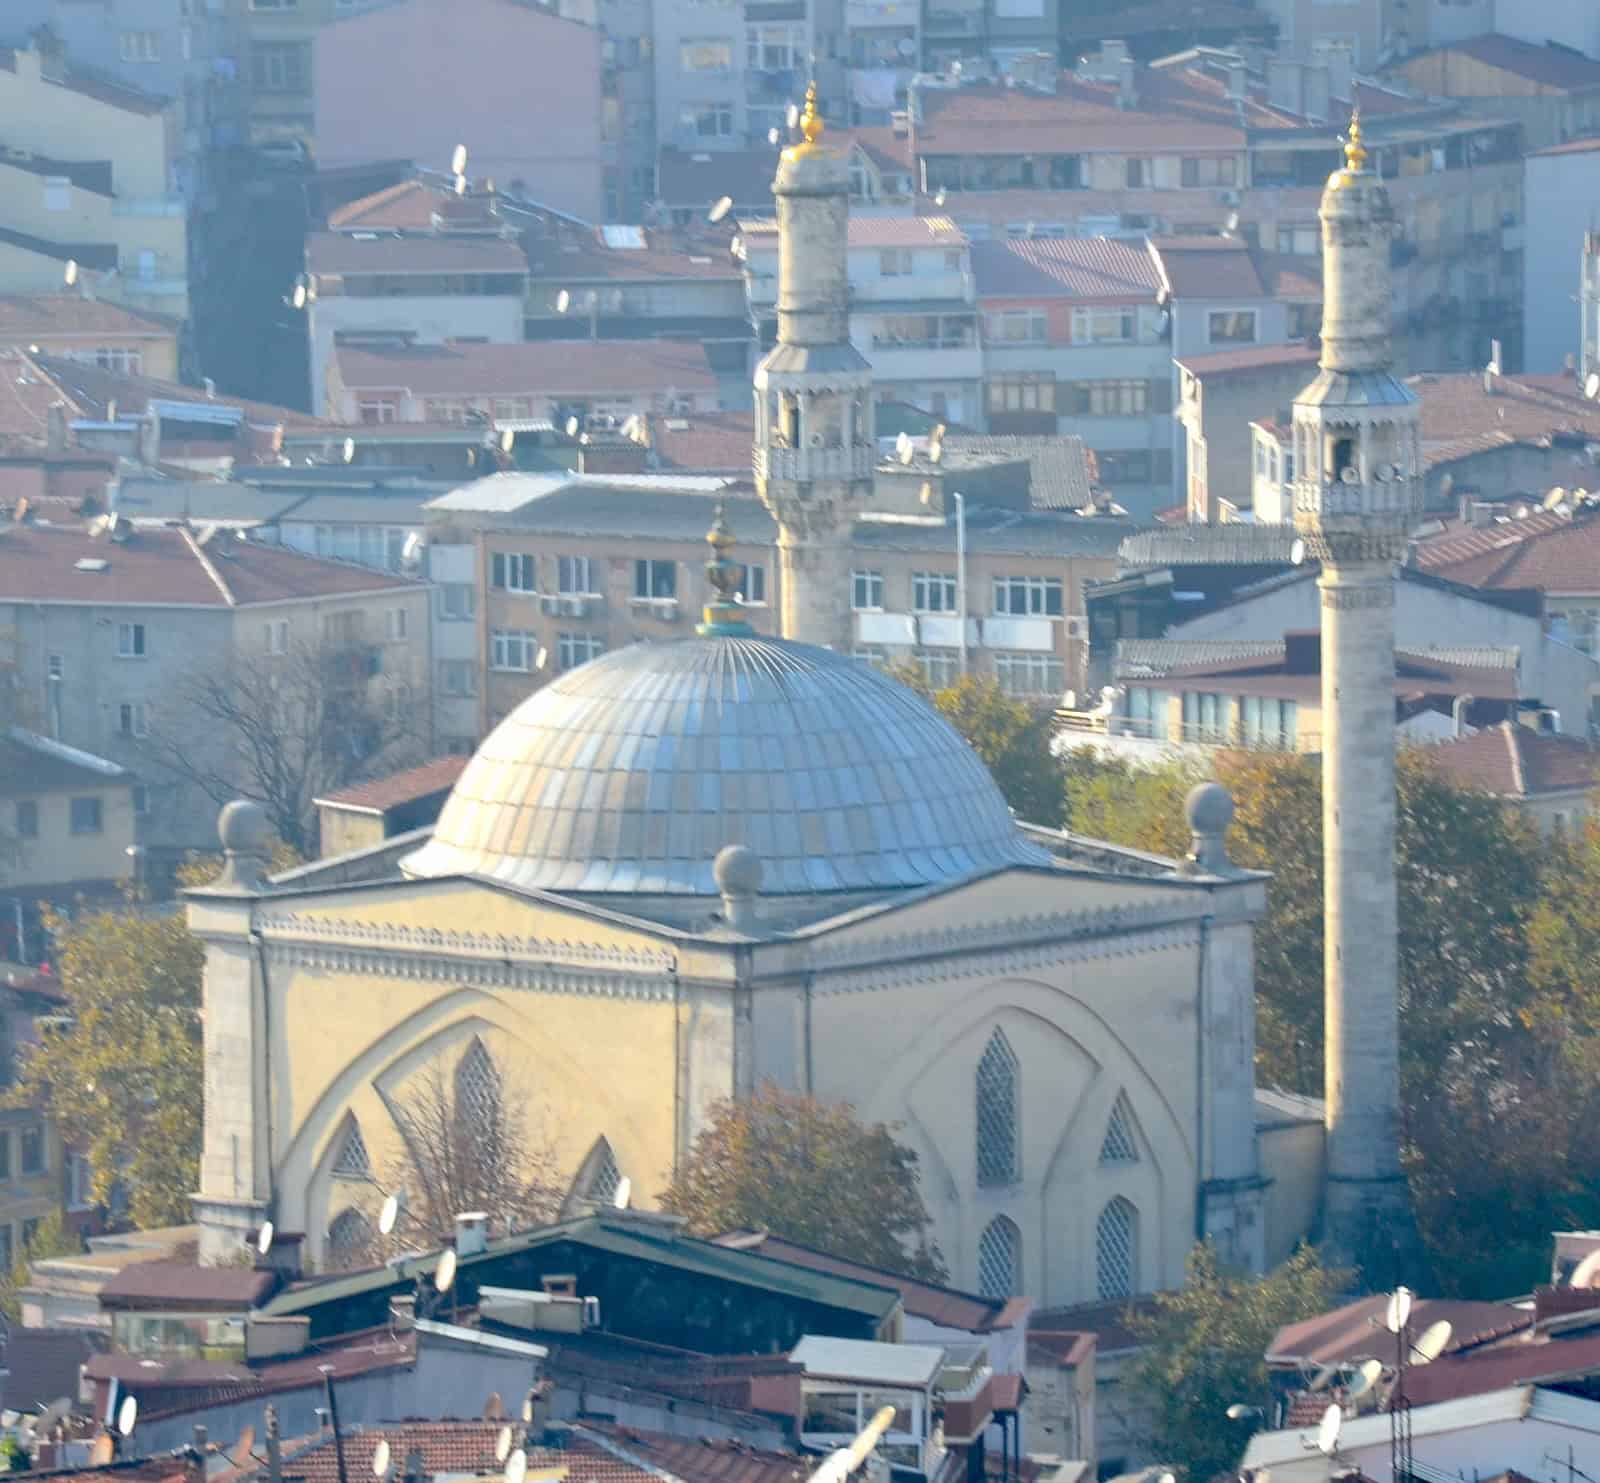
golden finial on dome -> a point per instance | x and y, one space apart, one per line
1355 154
724 615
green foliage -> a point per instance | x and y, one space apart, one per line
1011 736
124 1076
1204 1349
813 1172
49 1239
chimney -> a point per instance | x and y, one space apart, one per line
1285 88
1495 362
472 1233
1482 514
263 442
150 439
1318 87
55 435
1127 83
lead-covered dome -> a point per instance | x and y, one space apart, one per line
631 772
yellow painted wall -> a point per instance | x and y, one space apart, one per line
58 856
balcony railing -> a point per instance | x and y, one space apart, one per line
815 463
1087 723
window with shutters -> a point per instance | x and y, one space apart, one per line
1116 1250
1000 1259
1120 1146
997 1112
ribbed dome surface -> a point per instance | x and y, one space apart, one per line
632 771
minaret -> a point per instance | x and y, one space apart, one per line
814 448
1356 495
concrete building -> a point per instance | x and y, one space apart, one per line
1357 490
366 814
1551 778
1561 182
105 629
1549 23
1073 340
523 86
911 306
90 175
68 816
115 337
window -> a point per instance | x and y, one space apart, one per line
513 571
1120 398
708 120
394 624
141 799
349 1240
87 816
941 668
1028 392
1267 722
655 580
131 720
57 193
705 55
353 1161
280 67
874 654
1132 465
1016 327
1305 320
1030 674
1028 597
1209 170
1000 1259
866 592
80 1182
512 649
27 818
477 1090
277 636
1136 173
753 586
31 1147
775 48
895 262
458 678
5 1161
1104 326
575 574
1119 1145
141 46
1231 326
996 1119
1204 716
457 601
933 592
55 667
376 409
1115 1251
578 648
130 641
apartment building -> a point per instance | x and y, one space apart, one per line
550 381
115 337
1560 183
67 817
88 175
1073 339
104 629
689 181
1206 143
913 307
523 86
627 99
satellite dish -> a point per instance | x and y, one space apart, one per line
720 210
624 1193
793 114
1231 225
906 47
572 427
444 1275
71 277
299 296
458 161
1366 1378
508 441
1328 1431
1591 382
127 1415
772 136
502 1445
264 1238
939 199
1431 1345
349 450
902 447
563 302
380 1458
1297 552
516 1467
411 547
388 1215
1238 1411
541 658
1398 1313
1584 1273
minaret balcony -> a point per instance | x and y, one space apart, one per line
853 462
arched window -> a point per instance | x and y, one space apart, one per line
477 1088
606 1177
350 1240
1120 1145
1116 1237
353 1161
997 1113
1000 1259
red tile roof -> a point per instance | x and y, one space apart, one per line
1248 358
26 396
168 567
24 318
1557 68
409 206
1348 1333
1093 268
1518 762
187 1285
382 794
703 442
1227 268
1455 406
453 1447
705 1459
870 231
1545 551
542 367
349 252
1520 1361
696 251
887 148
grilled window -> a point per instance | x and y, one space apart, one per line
997 1112
999 1259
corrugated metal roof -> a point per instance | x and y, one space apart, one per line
859 1359
506 493
1092 268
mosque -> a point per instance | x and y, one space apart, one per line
685 869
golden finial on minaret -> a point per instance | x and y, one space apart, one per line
811 125
1355 154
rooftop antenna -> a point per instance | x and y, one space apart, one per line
772 136
444 1275
624 1193
458 160
298 299
1366 1377
333 1421
792 118
388 1215
720 210
1297 552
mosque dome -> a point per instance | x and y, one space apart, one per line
632 772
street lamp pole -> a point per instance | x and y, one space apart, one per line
961 571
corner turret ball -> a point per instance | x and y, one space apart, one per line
243 827
737 871
1209 808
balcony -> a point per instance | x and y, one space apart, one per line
855 462
913 288
897 630
1032 635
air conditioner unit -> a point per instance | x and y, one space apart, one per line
1228 197
551 605
575 607
1074 628
668 611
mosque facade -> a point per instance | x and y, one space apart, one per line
686 869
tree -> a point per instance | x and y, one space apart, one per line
286 729
123 1073
810 1171
49 1239
1010 735
1204 1350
